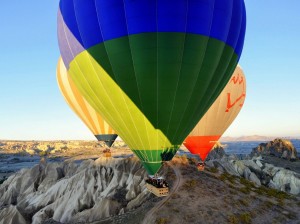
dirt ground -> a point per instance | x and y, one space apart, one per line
209 197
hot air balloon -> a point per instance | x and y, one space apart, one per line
101 130
219 116
151 68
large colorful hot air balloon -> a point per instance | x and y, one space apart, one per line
101 130
219 116
151 68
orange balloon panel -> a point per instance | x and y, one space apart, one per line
219 116
79 105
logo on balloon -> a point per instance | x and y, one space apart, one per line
237 80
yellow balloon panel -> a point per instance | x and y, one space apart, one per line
225 109
78 104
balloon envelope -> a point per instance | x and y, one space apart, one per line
151 68
219 116
101 130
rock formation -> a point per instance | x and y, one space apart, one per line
279 147
11 215
69 192
260 173
217 152
48 147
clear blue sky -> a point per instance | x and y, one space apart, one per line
31 106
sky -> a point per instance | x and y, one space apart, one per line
32 108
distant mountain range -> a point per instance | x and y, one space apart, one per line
253 138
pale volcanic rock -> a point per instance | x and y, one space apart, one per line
11 215
252 177
258 162
286 180
239 166
217 152
18 185
270 169
253 164
223 165
263 174
67 192
104 208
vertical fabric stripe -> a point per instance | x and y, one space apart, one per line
79 105
70 99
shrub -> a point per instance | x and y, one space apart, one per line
175 196
176 210
268 204
190 184
192 161
227 176
213 170
245 218
270 192
232 219
245 190
244 202
247 183
161 221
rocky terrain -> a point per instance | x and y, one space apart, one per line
15 155
261 173
214 196
274 164
69 192
278 147
66 148
113 191
83 188
252 138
